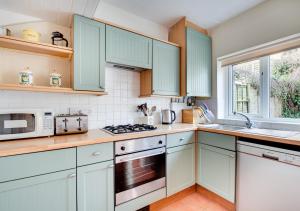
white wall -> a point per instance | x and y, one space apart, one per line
8 18
118 107
266 22
123 18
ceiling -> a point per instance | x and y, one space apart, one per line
206 13
57 11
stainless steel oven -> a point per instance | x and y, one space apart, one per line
140 167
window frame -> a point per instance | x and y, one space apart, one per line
265 82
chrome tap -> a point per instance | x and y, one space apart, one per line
249 123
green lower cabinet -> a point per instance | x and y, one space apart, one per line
180 168
216 170
95 187
89 54
49 192
165 69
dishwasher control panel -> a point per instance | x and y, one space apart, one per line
272 153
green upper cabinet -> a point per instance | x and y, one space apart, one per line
165 69
127 48
198 64
48 192
95 187
89 54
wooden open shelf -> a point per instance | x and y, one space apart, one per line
35 47
33 88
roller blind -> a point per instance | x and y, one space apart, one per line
261 50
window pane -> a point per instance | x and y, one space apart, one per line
285 84
246 87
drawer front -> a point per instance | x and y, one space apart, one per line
178 139
28 165
217 140
94 153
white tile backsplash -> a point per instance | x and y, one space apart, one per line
118 107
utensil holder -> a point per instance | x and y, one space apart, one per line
149 120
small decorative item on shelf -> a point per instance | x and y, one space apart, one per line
55 79
58 39
31 35
26 77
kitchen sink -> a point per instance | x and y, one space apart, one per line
269 132
224 127
258 131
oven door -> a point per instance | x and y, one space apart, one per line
139 173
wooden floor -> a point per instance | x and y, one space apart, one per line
194 202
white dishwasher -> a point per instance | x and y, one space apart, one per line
268 176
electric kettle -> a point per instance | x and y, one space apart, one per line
168 116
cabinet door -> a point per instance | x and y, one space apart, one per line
180 168
95 190
165 69
49 192
89 54
127 48
198 56
216 170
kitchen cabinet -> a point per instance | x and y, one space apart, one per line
89 54
217 168
95 187
128 48
180 168
165 69
54 191
33 164
95 153
182 138
195 58
198 63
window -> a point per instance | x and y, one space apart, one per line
266 87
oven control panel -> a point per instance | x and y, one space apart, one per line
135 145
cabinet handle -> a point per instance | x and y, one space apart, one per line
111 166
96 153
181 139
72 175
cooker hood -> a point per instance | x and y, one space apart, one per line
125 67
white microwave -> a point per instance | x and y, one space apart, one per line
26 123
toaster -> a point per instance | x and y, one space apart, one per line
71 123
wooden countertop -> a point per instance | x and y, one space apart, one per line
96 136
293 140
22 146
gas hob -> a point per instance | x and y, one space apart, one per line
121 129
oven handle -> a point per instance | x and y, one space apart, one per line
139 155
